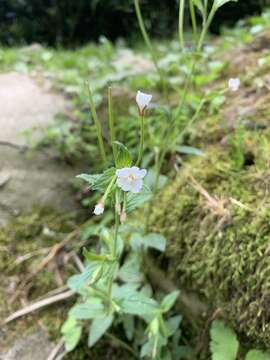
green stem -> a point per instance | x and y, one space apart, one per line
108 190
97 125
150 46
206 26
116 228
193 17
114 255
141 142
181 23
111 122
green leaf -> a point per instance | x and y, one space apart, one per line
129 326
169 300
136 200
89 256
155 241
71 333
189 150
138 304
123 157
91 309
136 241
219 3
199 5
224 344
78 282
130 270
173 324
257 355
98 328
98 182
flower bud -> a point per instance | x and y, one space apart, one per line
143 100
99 208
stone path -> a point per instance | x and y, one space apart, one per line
29 177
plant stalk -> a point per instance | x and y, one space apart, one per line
150 46
141 142
97 125
181 23
193 17
111 122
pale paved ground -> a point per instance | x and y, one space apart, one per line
25 105
31 177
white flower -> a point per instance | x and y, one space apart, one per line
130 179
234 84
143 100
99 208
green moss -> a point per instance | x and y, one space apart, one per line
29 233
219 246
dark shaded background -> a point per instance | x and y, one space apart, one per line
70 22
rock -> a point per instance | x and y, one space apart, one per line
25 106
31 347
30 177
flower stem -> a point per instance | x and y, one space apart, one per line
193 16
141 142
150 46
116 228
206 25
181 23
109 189
97 125
114 255
111 122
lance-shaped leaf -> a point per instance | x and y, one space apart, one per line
219 3
123 157
98 182
98 328
71 331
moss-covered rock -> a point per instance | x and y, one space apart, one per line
217 223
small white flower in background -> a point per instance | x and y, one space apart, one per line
99 208
143 100
130 179
234 84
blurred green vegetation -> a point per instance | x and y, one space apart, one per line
65 22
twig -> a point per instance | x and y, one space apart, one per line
39 304
50 256
25 257
56 350
78 261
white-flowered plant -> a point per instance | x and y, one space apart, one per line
234 84
112 285
105 287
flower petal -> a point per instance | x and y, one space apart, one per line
143 172
143 100
122 172
99 209
136 186
124 184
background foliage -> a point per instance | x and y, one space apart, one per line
65 22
